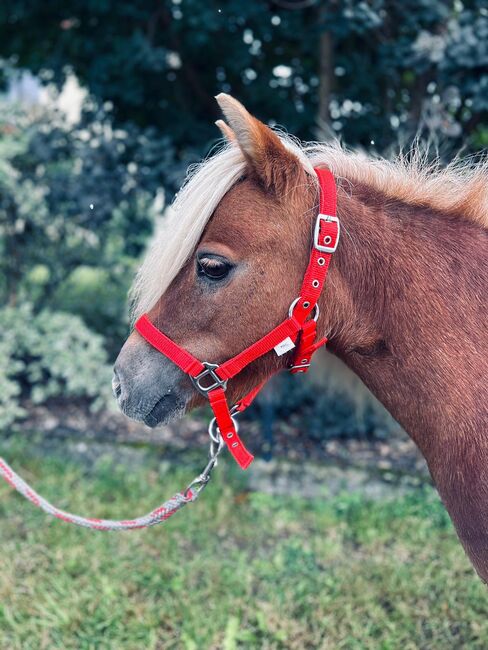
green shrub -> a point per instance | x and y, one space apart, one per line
48 355
99 297
10 408
72 196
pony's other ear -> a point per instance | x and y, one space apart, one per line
226 131
273 165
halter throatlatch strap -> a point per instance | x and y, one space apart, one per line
298 329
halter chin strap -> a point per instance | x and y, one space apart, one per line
298 330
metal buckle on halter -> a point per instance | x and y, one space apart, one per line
321 247
217 382
299 366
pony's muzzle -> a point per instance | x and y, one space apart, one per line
147 386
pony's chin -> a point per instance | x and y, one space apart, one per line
168 409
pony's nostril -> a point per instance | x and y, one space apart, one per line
116 387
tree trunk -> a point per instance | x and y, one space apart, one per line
326 69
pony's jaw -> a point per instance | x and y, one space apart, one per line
148 387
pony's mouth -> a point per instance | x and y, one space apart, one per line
168 408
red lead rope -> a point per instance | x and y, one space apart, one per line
211 379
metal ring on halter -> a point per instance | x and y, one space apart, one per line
216 439
315 310
216 448
214 432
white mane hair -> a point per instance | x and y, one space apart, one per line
461 187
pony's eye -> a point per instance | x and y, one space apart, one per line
213 267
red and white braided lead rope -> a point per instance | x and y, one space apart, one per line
157 516
166 510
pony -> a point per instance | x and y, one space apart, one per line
404 306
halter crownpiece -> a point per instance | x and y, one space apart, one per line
298 330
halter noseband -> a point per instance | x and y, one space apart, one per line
298 330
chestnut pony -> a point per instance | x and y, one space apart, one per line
404 306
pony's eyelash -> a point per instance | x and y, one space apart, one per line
210 262
212 267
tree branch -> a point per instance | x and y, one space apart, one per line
291 5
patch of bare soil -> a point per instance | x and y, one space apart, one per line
393 459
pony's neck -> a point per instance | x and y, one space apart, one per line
408 316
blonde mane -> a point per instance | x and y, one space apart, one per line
460 188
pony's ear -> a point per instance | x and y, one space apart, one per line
272 164
226 131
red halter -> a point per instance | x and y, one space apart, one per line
211 379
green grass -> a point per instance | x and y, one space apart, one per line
235 570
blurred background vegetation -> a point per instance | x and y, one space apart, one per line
103 105
106 103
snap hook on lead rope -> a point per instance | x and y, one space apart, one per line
216 446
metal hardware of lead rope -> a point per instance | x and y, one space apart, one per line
216 445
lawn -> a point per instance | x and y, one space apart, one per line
235 570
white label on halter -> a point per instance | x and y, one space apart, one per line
285 346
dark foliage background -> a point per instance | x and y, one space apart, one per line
79 199
370 69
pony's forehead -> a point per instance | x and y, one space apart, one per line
204 188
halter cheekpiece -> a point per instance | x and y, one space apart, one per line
298 330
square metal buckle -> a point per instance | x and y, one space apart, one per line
322 247
209 371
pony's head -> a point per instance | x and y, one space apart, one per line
225 268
